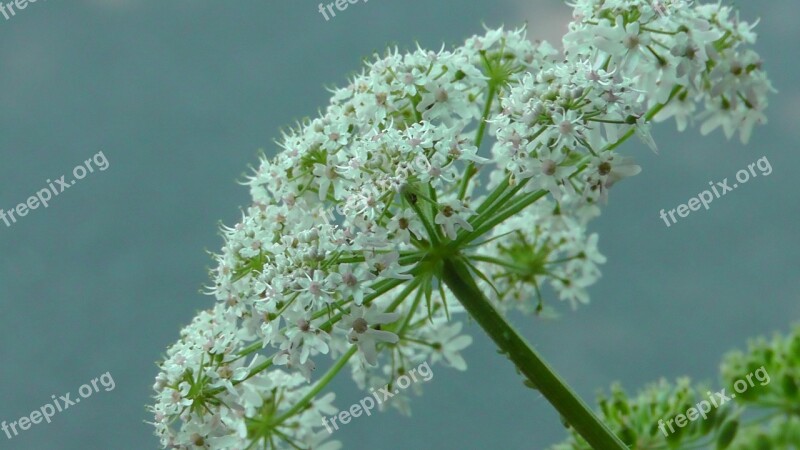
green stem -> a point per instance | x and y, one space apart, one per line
319 386
519 204
430 227
567 403
496 193
497 205
471 170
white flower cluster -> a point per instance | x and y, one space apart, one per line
541 243
340 253
698 47
203 362
625 64
321 259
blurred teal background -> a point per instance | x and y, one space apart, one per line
180 95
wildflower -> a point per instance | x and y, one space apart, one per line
361 323
351 221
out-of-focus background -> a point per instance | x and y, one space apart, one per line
180 96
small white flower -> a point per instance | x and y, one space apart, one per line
317 288
306 340
360 323
448 344
453 214
547 172
353 281
406 223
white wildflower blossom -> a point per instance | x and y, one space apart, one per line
361 324
351 221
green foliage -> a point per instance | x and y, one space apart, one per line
780 359
763 414
781 433
635 419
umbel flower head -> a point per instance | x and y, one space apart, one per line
496 153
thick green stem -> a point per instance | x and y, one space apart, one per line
460 281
